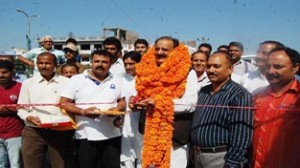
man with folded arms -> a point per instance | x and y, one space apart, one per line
222 124
29 58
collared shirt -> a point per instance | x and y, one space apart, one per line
203 81
276 128
254 80
37 90
242 67
32 55
224 118
117 69
103 95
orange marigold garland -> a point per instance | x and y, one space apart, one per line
163 83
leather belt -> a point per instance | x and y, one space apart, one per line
216 149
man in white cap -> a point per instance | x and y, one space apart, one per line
29 58
71 51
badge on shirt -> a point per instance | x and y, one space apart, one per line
13 97
112 86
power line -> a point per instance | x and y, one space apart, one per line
129 17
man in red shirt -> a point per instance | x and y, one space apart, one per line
277 118
11 125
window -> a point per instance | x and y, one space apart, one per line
98 46
58 47
85 47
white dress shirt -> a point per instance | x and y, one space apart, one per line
242 67
37 90
254 80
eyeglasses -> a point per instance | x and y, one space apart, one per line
48 41
68 50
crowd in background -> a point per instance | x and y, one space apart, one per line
231 113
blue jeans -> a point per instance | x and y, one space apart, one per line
12 148
3 158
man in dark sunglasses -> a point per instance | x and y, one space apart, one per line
71 52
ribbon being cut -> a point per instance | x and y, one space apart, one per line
64 121
163 83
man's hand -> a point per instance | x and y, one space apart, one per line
118 122
34 120
131 102
91 112
7 111
139 104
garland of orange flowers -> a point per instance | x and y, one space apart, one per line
162 83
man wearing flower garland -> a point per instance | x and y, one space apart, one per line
165 84
222 128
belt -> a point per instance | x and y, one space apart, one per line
216 149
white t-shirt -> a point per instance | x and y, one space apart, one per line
83 89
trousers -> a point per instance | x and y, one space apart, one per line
209 160
36 141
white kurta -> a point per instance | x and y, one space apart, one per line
131 139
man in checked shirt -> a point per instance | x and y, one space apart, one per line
222 129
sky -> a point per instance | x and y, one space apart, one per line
214 21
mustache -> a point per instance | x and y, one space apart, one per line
211 73
161 56
272 76
99 67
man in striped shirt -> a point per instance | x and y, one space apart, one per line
223 121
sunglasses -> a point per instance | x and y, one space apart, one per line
68 50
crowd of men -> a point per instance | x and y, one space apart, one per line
232 113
